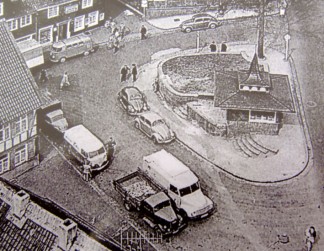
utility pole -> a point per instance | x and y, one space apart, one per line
261 30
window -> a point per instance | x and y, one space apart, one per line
1 9
4 163
53 11
20 155
26 20
21 125
173 189
93 18
13 24
46 35
79 23
4 133
87 3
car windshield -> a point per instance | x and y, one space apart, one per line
56 49
135 96
158 122
162 205
57 118
187 190
95 153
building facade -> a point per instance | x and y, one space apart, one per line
19 101
49 21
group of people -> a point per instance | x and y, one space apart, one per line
117 33
43 78
125 72
213 47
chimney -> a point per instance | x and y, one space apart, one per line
20 203
66 234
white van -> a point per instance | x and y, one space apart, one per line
73 46
83 145
181 183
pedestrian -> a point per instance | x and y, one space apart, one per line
116 45
65 80
43 77
123 73
111 149
122 30
223 47
156 85
213 47
143 32
310 237
87 171
134 72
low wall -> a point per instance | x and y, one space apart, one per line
242 127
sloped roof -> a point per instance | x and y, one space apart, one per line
18 94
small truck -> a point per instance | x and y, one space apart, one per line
140 194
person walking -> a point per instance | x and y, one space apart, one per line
65 80
123 73
122 30
213 47
87 171
143 32
43 77
134 72
310 237
116 45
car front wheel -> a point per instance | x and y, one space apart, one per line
62 60
188 29
212 26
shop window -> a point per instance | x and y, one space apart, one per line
46 35
93 18
26 20
53 11
21 125
4 133
13 24
4 163
87 3
20 155
78 23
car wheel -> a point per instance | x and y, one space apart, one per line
86 53
128 206
62 60
188 30
136 125
155 140
212 26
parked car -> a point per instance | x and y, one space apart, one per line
200 22
154 127
132 100
56 120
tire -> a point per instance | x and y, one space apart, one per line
212 26
128 206
188 30
136 125
62 60
183 215
154 140
86 53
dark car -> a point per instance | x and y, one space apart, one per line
200 22
132 100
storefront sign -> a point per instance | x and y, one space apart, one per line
71 8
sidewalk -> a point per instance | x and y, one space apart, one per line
287 163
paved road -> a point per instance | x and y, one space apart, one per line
249 216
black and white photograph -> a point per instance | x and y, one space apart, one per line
161 125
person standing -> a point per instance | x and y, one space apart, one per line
111 149
310 237
143 32
134 72
65 80
123 73
122 30
116 45
213 47
86 171
43 77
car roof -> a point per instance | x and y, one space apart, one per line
156 199
202 15
151 116
83 138
54 113
129 90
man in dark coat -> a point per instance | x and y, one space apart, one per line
123 73
134 72
143 32
213 47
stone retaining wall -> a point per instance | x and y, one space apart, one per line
242 127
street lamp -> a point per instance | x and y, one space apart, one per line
287 38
